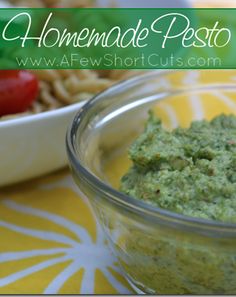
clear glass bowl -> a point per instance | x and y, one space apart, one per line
159 251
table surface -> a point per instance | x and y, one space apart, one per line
51 243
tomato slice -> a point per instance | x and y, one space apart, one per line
18 89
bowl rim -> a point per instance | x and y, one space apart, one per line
19 120
117 197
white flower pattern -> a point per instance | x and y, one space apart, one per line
82 252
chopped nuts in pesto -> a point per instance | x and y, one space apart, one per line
191 171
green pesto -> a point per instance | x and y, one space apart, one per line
191 171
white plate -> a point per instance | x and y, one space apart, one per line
34 145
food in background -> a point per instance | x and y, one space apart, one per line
18 91
214 4
59 88
53 3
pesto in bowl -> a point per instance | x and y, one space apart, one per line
191 171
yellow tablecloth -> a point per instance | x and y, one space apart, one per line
50 241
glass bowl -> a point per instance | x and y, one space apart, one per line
159 251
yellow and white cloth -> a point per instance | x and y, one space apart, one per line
51 243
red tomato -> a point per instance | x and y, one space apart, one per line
18 89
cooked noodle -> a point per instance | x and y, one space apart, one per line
59 88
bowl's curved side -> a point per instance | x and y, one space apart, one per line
34 145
